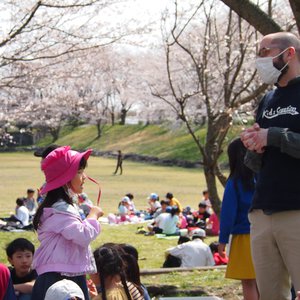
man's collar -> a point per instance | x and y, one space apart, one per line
293 81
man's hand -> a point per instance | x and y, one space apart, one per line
254 138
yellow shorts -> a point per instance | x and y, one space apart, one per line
240 264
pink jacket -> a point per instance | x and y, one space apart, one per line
64 241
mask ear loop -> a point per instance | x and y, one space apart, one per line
100 191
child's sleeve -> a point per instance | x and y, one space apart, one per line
79 232
228 212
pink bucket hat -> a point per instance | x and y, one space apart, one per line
60 166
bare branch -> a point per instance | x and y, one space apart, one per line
21 28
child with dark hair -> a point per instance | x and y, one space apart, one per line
131 203
201 216
112 272
21 217
219 260
167 222
236 203
29 201
133 270
42 153
174 201
19 254
64 251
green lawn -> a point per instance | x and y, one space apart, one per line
22 170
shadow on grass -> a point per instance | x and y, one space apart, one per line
172 290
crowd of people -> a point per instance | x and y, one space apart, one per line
167 216
263 255
66 222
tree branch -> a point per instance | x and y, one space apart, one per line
256 17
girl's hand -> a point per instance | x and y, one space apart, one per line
92 288
221 249
95 213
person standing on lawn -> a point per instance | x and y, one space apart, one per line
274 152
236 202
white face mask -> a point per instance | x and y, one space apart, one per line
266 70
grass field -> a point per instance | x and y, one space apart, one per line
20 171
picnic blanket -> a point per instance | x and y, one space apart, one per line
167 237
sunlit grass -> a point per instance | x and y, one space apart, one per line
22 170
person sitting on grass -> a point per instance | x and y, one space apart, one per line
194 253
132 208
164 206
213 225
123 209
20 254
21 217
174 201
206 199
171 260
201 216
30 202
219 259
167 223
153 201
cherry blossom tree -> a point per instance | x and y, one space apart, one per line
209 72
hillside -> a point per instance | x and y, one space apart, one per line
160 142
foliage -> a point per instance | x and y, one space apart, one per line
160 141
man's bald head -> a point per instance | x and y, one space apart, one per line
284 40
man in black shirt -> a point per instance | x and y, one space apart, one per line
274 153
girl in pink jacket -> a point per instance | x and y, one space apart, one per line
64 251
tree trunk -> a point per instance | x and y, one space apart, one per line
123 116
295 6
210 176
99 129
55 133
112 116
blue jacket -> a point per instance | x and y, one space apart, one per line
234 212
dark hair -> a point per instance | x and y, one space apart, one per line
202 204
165 202
183 239
30 191
174 210
130 196
214 247
53 196
109 263
20 201
205 192
129 249
19 244
130 255
238 170
43 152
169 195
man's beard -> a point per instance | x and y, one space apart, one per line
281 64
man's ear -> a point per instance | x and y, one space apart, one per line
291 52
